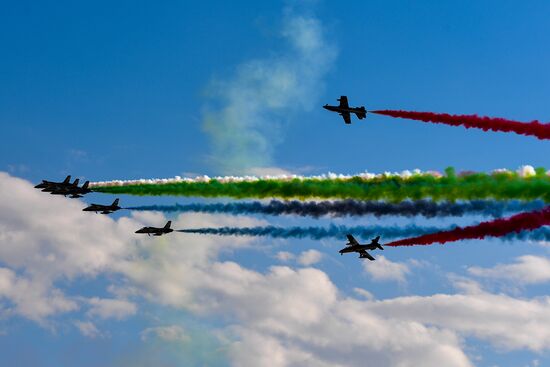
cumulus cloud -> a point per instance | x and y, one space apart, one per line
310 257
263 93
386 270
281 316
45 239
87 328
502 320
111 308
33 298
525 270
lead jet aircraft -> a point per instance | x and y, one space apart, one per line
354 246
103 209
61 186
74 191
44 184
155 231
345 110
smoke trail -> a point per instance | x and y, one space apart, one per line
533 128
499 185
361 232
496 228
341 208
251 106
315 233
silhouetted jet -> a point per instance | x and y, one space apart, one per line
74 191
354 246
103 209
155 231
345 110
61 186
45 184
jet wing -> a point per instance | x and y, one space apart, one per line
365 255
352 239
346 116
344 102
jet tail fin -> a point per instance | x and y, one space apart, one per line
75 183
67 179
115 203
362 113
86 184
168 224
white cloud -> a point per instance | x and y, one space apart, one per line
111 308
504 321
87 329
310 257
527 269
364 293
35 299
262 95
284 256
290 317
171 333
385 270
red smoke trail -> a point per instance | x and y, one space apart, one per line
534 128
496 228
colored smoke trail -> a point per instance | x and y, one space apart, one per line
316 233
360 232
533 128
496 228
341 208
499 185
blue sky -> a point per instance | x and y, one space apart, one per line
138 89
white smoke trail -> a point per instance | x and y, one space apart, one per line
328 176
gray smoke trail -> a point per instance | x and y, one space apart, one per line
334 231
350 207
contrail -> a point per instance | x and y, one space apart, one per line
334 231
533 128
496 228
499 185
350 207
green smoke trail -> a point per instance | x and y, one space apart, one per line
472 186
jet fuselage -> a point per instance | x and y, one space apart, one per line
356 110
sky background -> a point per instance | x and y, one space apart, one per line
134 89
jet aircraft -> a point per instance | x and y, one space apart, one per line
103 209
345 110
74 191
155 231
61 186
45 184
354 246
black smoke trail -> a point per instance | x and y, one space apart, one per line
316 233
340 208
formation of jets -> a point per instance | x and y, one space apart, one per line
65 188
354 246
345 110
